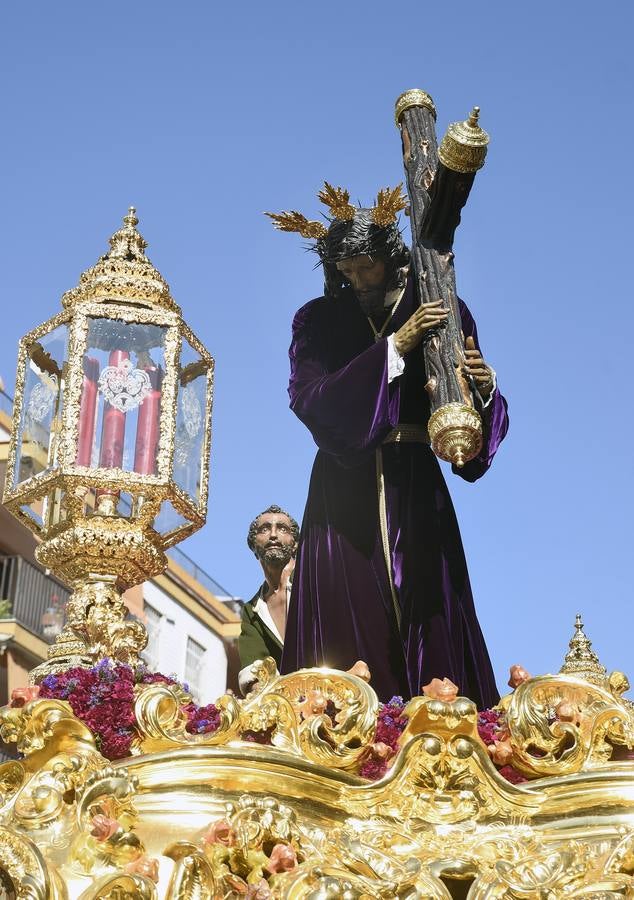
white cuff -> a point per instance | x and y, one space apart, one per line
484 403
395 362
246 679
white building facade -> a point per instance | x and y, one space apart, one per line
180 645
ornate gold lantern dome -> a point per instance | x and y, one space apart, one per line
124 273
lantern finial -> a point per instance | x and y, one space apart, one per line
124 273
131 218
127 243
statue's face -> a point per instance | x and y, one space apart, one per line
274 538
366 274
367 277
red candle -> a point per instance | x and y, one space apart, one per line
113 428
87 411
148 425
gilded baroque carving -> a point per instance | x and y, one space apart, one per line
220 814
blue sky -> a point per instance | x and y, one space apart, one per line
203 115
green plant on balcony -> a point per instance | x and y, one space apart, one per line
6 609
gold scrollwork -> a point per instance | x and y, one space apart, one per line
595 720
23 865
193 876
338 744
121 887
162 722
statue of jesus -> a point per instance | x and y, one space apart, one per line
381 573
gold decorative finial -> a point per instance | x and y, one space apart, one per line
581 661
131 218
123 273
464 146
413 97
127 243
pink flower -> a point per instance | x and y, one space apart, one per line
239 885
441 690
259 891
144 865
22 695
283 859
567 712
501 752
518 675
361 670
381 750
219 832
103 827
314 705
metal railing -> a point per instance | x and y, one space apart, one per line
202 577
34 599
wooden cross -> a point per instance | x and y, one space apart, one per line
439 179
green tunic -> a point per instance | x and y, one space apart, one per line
256 640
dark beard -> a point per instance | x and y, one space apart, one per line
372 303
277 555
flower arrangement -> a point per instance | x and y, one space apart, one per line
103 697
495 735
390 725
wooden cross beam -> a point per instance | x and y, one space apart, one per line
439 179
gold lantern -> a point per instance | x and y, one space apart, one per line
109 454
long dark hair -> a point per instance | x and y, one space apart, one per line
360 236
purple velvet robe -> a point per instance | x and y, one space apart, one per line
341 607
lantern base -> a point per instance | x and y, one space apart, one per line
96 627
455 431
106 545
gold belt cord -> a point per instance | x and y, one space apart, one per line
385 540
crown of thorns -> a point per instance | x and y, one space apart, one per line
389 202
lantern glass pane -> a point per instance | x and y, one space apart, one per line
190 422
169 520
41 415
120 410
54 507
33 511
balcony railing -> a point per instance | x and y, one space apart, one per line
202 577
34 599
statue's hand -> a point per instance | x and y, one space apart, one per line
476 367
428 315
287 573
